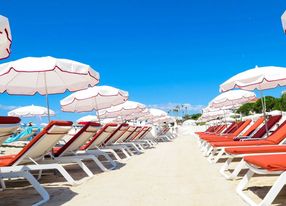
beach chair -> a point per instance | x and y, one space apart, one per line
133 146
121 135
96 145
69 152
218 148
139 138
8 126
232 153
30 158
274 164
235 132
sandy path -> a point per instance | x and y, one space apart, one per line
173 173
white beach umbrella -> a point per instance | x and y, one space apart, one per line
31 111
233 98
125 109
93 98
259 78
5 38
88 118
45 75
283 19
157 112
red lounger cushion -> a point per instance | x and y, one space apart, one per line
241 143
275 162
9 120
258 149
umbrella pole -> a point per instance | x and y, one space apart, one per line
47 98
263 104
96 112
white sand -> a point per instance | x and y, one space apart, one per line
173 173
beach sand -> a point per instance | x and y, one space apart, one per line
174 173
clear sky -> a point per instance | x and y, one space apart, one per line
163 52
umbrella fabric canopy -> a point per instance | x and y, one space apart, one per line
45 75
157 112
88 118
260 78
232 98
125 109
283 19
93 98
5 37
30 111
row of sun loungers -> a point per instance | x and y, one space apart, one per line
258 144
60 143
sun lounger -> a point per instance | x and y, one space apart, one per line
69 152
8 126
218 148
274 164
32 155
96 145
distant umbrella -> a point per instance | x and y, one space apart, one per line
283 19
5 38
31 111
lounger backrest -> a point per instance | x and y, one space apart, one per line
88 130
140 133
116 134
145 134
241 127
235 127
226 131
254 127
270 123
8 126
126 134
279 134
101 136
136 131
43 142
222 129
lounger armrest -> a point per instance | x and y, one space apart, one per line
253 139
241 138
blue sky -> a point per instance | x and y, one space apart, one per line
162 52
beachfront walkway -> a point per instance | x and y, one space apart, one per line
172 174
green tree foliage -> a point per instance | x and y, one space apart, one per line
272 103
246 109
191 116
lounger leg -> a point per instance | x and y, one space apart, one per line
2 182
241 165
209 152
113 153
242 185
216 158
84 167
38 187
30 178
58 167
275 189
139 147
225 167
98 152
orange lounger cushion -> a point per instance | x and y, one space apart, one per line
275 162
242 143
219 138
257 149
